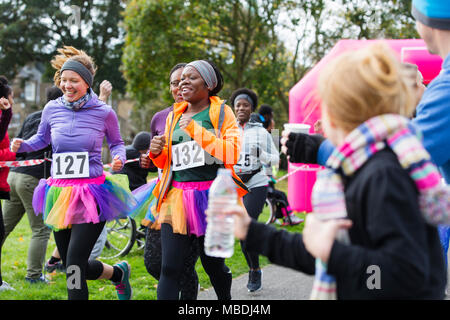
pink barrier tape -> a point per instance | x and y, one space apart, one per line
35 162
24 163
109 165
304 167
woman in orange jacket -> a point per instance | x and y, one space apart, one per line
201 136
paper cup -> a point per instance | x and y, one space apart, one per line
297 127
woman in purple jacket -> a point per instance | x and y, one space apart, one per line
79 198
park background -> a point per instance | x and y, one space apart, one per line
265 45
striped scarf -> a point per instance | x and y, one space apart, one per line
375 134
77 105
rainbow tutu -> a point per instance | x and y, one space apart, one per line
184 208
64 202
145 202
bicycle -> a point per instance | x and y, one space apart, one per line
276 202
272 211
122 235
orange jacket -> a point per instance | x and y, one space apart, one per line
224 145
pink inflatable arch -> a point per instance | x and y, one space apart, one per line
304 106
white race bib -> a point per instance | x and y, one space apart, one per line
70 165
244 161
187 155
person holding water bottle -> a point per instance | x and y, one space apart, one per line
201 136
371 233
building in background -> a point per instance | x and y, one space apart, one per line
30 96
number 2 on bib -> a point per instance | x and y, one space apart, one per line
70 165
187 155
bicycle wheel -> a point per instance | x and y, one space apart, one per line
140 237
272 211
120 239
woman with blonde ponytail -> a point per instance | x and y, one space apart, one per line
78 199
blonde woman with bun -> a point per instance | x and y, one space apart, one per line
368 237
78 199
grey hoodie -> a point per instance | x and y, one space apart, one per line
254 136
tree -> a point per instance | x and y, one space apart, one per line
238 36
245 40
32 30
379 19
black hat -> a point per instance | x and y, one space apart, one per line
142 141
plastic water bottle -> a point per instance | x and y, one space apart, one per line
219 237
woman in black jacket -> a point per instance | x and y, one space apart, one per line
381 246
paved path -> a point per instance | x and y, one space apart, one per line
279 283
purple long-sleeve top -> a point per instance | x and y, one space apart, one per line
79 131
158 123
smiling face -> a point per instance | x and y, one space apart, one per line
72 85
192 86
175 79
243 110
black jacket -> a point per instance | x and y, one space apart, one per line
29 128
388 232
137 176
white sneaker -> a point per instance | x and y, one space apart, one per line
6 286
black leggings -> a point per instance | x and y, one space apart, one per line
254 204
75 246
175 248
152 262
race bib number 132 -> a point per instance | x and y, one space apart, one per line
70 165
187 155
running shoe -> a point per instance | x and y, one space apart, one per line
254 280
58 266
6 286
41 279
293 220
123 288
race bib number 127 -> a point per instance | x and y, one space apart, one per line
70 165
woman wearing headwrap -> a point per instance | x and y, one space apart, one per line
152 250
257 149
78 198
182 195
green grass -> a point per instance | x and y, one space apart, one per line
14 254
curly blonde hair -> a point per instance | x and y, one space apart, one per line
365 83
69 52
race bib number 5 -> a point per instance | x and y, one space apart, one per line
187 155
70 165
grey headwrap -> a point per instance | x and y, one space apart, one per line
246 97
79 68
206 72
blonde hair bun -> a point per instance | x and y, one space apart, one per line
365 83
69 52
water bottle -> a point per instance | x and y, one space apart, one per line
219 237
